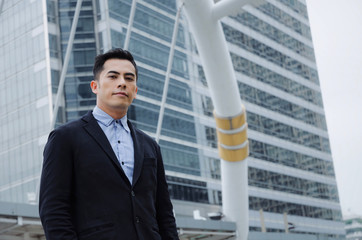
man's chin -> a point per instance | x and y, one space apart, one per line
121 107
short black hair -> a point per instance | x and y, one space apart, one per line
117 53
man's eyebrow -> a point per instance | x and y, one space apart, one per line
111 71
130 74
114 72
127 74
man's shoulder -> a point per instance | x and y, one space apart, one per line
74 124
71 131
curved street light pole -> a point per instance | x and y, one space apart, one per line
229 112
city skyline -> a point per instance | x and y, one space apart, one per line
291 173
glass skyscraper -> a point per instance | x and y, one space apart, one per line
292 185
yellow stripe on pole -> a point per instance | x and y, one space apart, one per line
229 123
232 137
232 155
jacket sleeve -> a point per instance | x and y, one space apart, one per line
165 218
55 198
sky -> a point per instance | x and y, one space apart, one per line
336 27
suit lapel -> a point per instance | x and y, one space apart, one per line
138 153
98 135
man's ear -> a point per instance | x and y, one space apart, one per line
94 86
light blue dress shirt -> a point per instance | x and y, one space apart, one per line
119 136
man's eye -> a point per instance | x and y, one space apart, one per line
112 76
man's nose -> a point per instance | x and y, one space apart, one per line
121 82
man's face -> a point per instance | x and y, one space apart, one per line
116 86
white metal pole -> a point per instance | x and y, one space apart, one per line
215 58
167 78
229 112
226 7
96 36
130 24
66 62
1 6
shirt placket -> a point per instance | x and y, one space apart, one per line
119 141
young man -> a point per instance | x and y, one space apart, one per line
102 178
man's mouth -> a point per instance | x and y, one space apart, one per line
121 94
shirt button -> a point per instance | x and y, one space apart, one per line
137 219
132 193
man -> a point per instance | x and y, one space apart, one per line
102 178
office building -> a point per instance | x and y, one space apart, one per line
292 185
353 227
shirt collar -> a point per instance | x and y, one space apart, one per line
103 117
124 123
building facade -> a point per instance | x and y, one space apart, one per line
353 227
291 174
25 106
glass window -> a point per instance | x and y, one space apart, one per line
297 6
178 125
282 106
274 79
254 46
284 183
285 19
187 189
277 154
283 131
180 158
274 206
275 34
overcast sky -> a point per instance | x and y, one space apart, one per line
337 36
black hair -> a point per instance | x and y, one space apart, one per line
117 53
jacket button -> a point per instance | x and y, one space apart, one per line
132 193
137 219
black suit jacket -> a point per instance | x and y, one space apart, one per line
84 193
